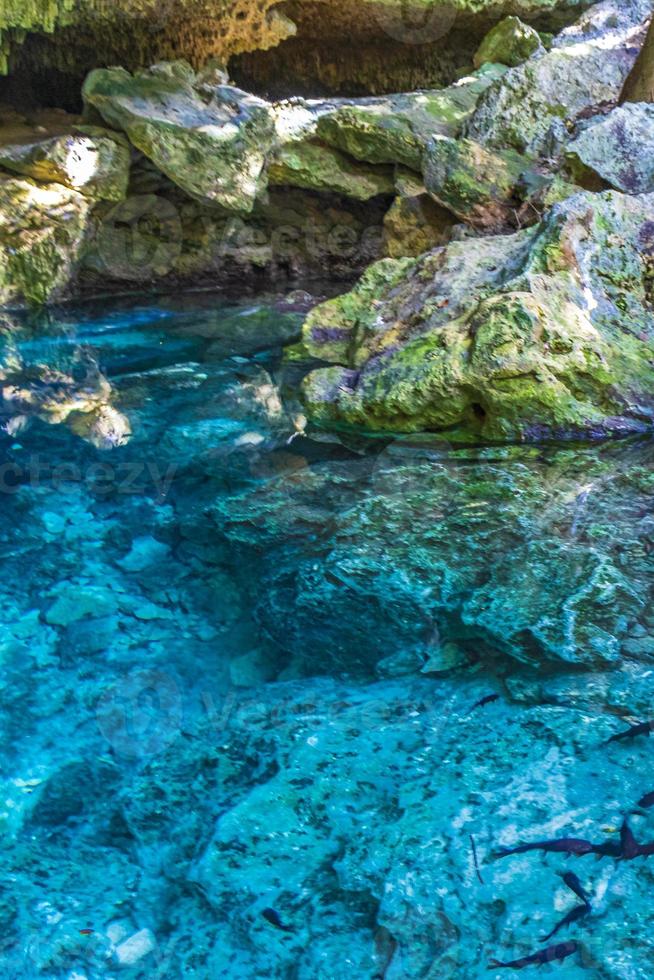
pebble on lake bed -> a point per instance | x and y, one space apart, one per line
135 948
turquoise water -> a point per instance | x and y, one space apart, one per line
239 658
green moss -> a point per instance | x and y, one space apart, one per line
556 337
397 129
509 43
315 167
480 186
332 331
42 231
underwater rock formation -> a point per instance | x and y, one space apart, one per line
183 795
428 551
261 806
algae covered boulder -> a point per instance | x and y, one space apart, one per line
414 223
93 161
397 129
315 167
529 108
478 185
42 232
509 43
618 148
548 332
211 141
527 554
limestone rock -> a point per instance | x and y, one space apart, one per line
397 129
546 332
322 168
509 43
508 774
77 37
530 554
478 185
619 148
42 231
527 109
212 141
135 948
93 161
142 31
414 223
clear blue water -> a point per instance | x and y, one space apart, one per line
188 576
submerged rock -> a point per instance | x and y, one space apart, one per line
210 140
427 552
153 812
618 148
548 332
410 890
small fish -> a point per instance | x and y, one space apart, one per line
558 952
86 932
567 845
647 800
474 855
576 886
574 915
608 849
273 917
628 844
489 699
630 847
643 728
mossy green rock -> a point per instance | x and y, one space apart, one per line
397 128
414 223
509 43
210 140
545 333
322 168
531 107
618 148
42 231
92 161
478 185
